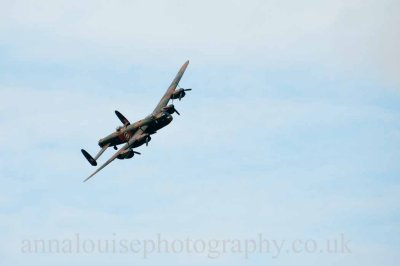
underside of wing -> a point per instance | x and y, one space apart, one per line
167 96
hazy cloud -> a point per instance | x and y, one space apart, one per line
352 36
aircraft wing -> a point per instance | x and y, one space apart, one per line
123 148
162 103
167 96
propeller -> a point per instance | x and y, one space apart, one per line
173 109
136 152
179 93
183 93
183 88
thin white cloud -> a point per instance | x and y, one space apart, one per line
347 35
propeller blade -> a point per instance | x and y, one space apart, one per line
136 152
173 109
187 89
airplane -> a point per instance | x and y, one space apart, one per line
139 133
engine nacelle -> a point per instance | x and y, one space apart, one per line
126 154
163 118
178 94
170 109
144 138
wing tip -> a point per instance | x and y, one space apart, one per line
90 176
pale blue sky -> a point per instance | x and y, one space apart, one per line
292 128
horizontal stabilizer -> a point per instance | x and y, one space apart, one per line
122 118
89 157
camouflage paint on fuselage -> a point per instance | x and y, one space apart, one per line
123 134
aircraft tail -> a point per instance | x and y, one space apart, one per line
88 157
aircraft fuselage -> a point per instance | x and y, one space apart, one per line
123 134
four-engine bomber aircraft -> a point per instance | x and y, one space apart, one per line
138 133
